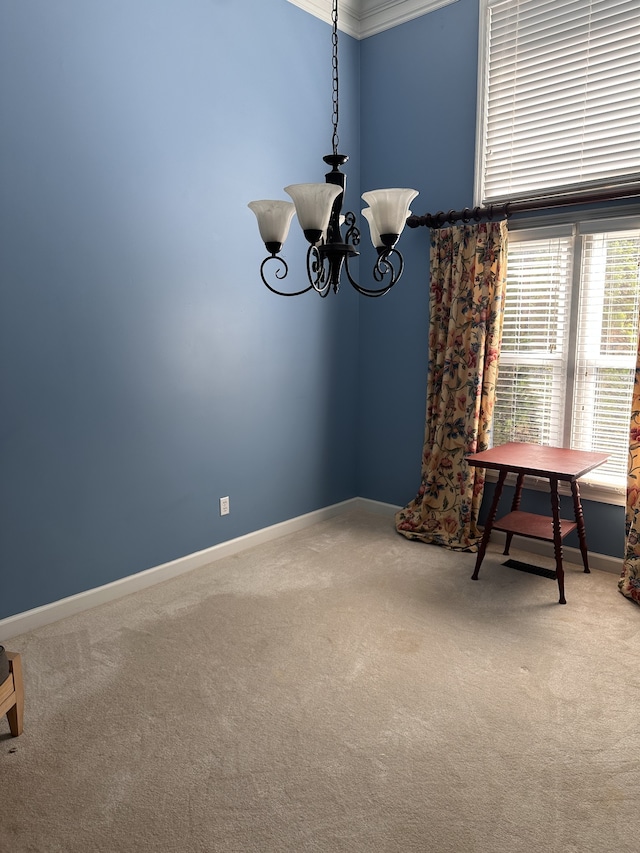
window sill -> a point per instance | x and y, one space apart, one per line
589 491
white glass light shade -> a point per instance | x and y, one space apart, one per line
274 219
375 234
313 204
373 230
390 208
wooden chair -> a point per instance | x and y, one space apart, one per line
12 695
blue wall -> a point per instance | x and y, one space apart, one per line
418 123
145 371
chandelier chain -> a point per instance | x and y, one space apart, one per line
335 100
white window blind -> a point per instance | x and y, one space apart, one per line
531 386
560 97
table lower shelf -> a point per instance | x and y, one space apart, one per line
533 526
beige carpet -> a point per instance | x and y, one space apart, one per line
342 689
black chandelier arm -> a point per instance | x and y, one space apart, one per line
280 274
316 272
363 291
352 235
384 267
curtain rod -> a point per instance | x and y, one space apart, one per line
506 209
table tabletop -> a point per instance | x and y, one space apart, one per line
537 459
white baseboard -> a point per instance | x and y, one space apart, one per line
377 507
12 626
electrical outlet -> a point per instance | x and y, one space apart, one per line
224 506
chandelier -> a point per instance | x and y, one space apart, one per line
319 211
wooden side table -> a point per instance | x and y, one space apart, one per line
553 464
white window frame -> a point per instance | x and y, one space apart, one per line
527 231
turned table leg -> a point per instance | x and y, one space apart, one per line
557 537
514 507
487 528
582 536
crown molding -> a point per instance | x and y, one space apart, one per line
364 18
379 15
349 13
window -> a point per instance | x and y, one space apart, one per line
559 112
533 362
559 97
570 340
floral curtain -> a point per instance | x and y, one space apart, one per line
629 583
468 276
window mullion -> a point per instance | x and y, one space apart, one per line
572 337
